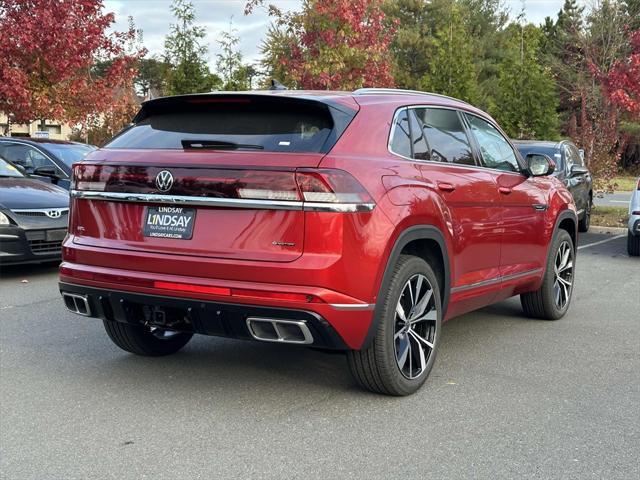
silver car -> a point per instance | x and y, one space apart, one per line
633 236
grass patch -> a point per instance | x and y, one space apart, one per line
609 216
625 183
621 183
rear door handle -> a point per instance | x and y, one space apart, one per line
504 190
446 187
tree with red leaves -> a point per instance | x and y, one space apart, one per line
330 44
622 82
50 57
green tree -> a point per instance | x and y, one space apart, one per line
452 69
229 61
449 46
151 79
186 54
526 100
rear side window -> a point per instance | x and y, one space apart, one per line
434 134
400 141
445 136
235 123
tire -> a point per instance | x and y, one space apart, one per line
142 340
633 245
551 301
585 222
379 368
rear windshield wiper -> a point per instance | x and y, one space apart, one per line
218 145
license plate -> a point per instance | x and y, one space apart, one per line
169 222
56 235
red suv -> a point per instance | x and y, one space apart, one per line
357 221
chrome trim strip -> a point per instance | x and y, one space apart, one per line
186 200
337 207
352 306
222 202
502 278
6 236
40 210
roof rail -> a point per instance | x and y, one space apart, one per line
399 91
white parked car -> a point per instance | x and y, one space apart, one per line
633 236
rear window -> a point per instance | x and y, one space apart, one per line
235 123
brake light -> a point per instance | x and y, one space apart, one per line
331 186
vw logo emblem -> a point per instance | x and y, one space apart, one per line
53 213
164 180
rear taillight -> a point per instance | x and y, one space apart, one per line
313 188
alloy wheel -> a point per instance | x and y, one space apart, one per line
414 334
563 271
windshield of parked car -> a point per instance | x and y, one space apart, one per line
8 170
552 152
69 153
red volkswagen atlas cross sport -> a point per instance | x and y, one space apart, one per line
357 221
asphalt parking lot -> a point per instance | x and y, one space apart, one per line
508 397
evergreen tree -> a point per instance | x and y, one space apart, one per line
229 63
186 54
526 98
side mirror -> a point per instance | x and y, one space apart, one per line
577 170
540 164
45 172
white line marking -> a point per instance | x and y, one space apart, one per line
619 201
601 241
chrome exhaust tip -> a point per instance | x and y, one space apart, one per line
77 303
281 331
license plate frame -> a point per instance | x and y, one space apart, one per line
169 222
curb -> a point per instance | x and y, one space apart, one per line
607 230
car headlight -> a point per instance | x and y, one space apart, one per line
4 220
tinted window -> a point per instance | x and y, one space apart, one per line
400 137
495 149
418 138
573 156
25 155
552 152
269 124
69 153
444 135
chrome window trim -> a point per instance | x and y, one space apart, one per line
449 164
222 202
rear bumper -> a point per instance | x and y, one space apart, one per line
348 318
193 315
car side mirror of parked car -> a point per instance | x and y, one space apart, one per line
540 164
577 170
45 172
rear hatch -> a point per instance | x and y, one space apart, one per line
209 175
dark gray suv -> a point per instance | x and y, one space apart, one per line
570 169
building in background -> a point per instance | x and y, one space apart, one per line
55 130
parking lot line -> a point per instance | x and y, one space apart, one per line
600 242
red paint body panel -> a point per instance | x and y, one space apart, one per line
496 243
